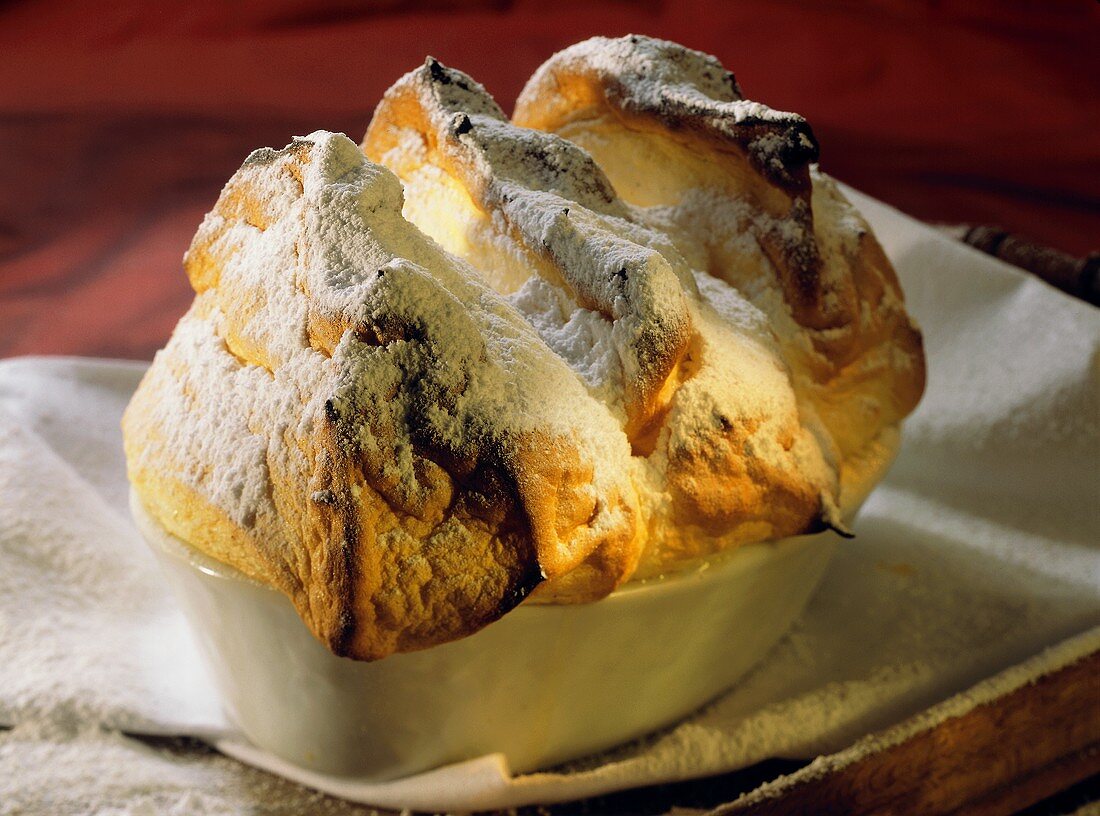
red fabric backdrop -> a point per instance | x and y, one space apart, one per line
120 121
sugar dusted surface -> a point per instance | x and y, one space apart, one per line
465 319
645 73
633 381
538 215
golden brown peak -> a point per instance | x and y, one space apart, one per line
351 415
458 118
558 205
669 336
505 196
685 89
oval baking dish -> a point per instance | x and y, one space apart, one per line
544 684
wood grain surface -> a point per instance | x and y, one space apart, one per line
999 758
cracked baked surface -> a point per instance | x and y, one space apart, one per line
491 361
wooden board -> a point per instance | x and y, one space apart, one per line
996 759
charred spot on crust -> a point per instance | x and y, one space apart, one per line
347 549
441 74
462 125
340 641
344 542
436 71
367 334
731 80
784 156
828 518
525 584
800 145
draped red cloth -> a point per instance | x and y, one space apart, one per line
120 121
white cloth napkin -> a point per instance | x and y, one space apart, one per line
981 548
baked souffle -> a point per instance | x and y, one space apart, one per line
476 361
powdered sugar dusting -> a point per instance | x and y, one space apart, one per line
579 336
740 198
648 75
610 277
326 330
356 364
349 269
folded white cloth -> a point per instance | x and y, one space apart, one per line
981 548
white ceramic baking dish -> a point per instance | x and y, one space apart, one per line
542 685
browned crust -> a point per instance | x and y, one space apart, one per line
465 132
371 567
604 88
687 91
377 561
438 116
688 96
